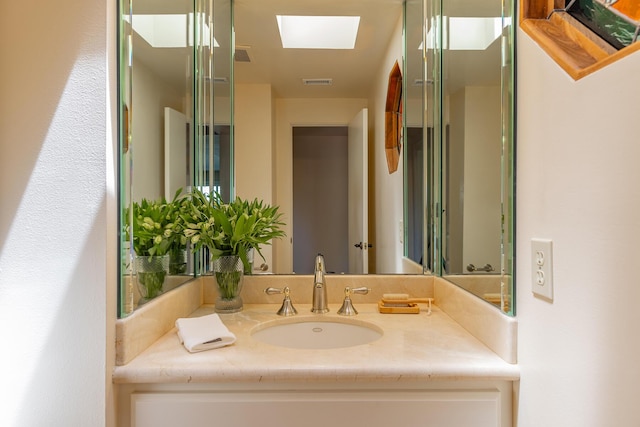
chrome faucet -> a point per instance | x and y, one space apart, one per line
319 287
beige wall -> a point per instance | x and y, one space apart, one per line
577 184
253 147
253 141
414 112
150 97
454 196
474 177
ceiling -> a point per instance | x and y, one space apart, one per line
256 28
352 71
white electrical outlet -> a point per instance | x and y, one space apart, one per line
542 268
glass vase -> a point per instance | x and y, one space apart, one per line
151 272
248 268
177 261
229 274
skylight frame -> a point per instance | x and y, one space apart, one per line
318 32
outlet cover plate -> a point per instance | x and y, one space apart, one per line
542 268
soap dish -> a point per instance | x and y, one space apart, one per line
409 308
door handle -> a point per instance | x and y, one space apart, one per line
363 246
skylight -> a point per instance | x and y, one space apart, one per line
318 32
169 30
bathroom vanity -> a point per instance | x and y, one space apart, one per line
425 369
341 404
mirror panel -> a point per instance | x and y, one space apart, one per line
475 78
169 140
214 106
418 142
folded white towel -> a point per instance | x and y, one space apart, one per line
203 333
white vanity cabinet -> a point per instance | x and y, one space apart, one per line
441 404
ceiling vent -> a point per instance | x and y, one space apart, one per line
317 82
242 54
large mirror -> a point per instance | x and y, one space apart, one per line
261 125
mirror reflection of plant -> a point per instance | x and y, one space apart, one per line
231 228
178 241
158 226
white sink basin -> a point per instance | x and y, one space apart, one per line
314 333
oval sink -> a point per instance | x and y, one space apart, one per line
317 334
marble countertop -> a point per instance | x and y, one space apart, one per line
414 347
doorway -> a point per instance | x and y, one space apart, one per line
320 198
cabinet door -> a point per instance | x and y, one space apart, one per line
318 409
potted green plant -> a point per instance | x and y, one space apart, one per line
230 232
155 229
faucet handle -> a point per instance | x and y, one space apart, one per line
347 308
287 308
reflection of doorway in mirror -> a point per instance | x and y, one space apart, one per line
415 192
214 161
221 157
320 205
335 195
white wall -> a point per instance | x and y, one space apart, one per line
56 228
578 183
385 193
482 173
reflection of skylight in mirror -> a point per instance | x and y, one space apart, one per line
473 33
318 32
169 31
468 33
